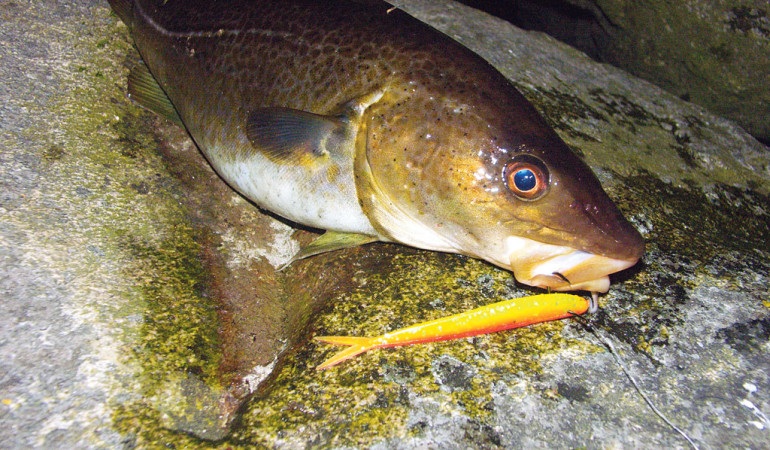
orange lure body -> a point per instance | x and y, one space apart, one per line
499 316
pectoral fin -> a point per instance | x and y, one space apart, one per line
145 90
329 242
288 136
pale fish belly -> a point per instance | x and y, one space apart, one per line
319 199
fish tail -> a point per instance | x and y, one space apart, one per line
357 345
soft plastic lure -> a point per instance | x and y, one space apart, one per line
505 315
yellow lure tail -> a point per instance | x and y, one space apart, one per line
499 316
357 345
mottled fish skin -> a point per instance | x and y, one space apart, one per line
427 133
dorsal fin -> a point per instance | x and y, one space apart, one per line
145 91
286 135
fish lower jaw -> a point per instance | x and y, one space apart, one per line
560 268
558 284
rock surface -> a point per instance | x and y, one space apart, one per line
712 53
141 305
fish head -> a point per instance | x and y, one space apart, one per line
495 183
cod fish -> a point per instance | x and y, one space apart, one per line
352 117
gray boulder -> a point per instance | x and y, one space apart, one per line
715 54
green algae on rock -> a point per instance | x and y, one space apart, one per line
91 190
372 394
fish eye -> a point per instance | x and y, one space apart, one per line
526 177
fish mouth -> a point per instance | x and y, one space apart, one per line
560 268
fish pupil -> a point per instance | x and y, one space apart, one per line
525 180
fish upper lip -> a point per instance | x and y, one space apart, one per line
627 242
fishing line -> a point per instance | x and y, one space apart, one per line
608 344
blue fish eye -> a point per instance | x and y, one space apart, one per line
526 177
525 180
